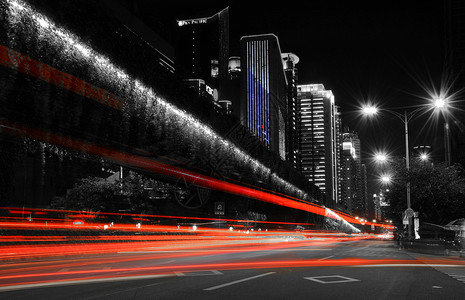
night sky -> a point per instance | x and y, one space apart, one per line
377 50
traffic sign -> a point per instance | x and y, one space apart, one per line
409 212
219 208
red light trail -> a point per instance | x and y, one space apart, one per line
175 172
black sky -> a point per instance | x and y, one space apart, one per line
361 50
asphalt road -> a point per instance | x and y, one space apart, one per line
364 269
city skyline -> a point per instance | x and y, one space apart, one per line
136 160
390 54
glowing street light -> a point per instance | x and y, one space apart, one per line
381 157
424 156
386 179
440 102
370 110
405 118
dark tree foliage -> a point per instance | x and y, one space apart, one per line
437 191
93 195
134 193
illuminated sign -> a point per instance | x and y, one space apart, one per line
347 146
213 92
192 22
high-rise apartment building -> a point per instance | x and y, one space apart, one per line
366 207
318 139
355 178
339 141
263 90
202 53
291 114
348 175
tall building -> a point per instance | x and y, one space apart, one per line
348 174
367 207
232 92
263 90
202 54
358 180
291 114
318 139
339 141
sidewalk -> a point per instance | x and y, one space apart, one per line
434 247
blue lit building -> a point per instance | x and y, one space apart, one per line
264 90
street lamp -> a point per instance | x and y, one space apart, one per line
381 157
386 179
424 156
405 118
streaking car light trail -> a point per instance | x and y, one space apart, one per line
21 280
73 49
152 166
54 36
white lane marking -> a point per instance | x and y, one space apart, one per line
326 257
127 290
82 281
358 249
199 273
320 279
237 281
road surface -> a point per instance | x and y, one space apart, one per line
300 269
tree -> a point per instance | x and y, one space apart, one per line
134 193
91 194
437 191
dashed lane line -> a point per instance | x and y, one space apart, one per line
82 281
237 281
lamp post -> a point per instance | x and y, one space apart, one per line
405 118
441 104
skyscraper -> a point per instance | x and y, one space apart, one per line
263 91
348 174
202 53
356 177
318 139
339 141
291 114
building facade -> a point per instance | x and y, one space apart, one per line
202 54
354 179
318 139
348 176
263 90
291 116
